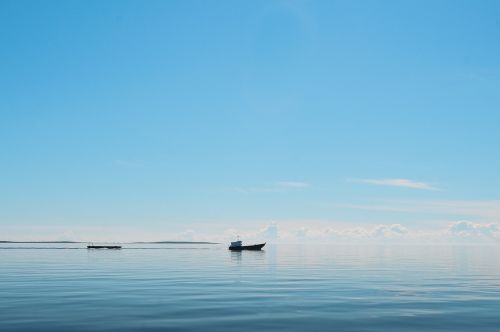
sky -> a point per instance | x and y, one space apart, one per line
273 120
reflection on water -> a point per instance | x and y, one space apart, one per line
237 256
287 288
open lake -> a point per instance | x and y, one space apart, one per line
186 287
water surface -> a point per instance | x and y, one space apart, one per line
183 287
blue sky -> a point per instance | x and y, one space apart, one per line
211 117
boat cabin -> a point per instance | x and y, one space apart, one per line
236 244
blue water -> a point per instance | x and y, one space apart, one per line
284 288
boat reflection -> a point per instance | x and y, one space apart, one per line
250 256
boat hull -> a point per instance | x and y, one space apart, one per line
252 247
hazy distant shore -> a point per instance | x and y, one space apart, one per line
40 242
154 242
176 242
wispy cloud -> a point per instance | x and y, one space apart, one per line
406 183
482 209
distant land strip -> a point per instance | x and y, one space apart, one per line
155 242
176 242
41 242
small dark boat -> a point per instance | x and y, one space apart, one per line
236 246
104 247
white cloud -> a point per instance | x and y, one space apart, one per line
390 231
270 232
468 229
355 234
405 183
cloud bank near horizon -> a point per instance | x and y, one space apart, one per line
462 231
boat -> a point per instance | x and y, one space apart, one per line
237 246
104 247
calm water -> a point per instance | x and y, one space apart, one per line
284 288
